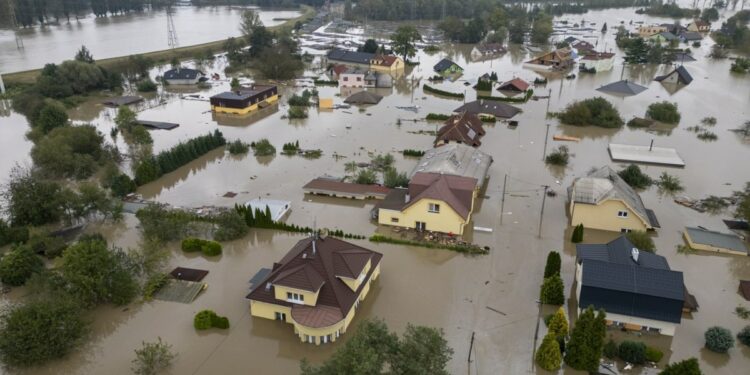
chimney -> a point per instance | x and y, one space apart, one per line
634 253
304 255
268 286
314 249
407 198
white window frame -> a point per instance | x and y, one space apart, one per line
433 208
622 214
295 297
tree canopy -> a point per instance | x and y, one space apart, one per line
403 41
584 349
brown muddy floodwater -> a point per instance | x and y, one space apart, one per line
430 287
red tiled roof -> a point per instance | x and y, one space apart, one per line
316 316
338 69
516 83
464 128
456 191
384 60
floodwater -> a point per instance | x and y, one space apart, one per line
460 294
124 35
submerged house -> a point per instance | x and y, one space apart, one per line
636 288
183 76
433 202
707 240
559 59
647 31
690 36
244 100
462 128
580 46
514 85
678 76
699 25
352 77
484 50
490 108
316 287
602 200
457 160
597 62
448 67
663 37
366 60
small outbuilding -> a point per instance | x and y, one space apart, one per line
493 108
448 67
277 208
679 76
622 88
515 85
699 238
183 76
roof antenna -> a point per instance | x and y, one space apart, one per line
315 237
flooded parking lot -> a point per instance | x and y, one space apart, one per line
493 296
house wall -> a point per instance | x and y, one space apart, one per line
351 80
310 298
246 110
397 65
353 284
600 65
604 216
268 311
647 31
446 221
705 247
183 81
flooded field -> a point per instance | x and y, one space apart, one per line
124 35
429 287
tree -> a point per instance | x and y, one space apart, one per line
96 274
40 330
249 23
392 179
152 358
641 240
517 29
558 324
744 335
366 177
710 14
421 351
633 352
403 41
70 151
164 225
685 367
604 28
260 40
577 236
276 63
31 200
548 356
230 226
584 349
541 29
664 111
84 55
370 46
743 202
593 111
719 339
553 264
235 84
636 51
633 175
552 291
18 264
52 115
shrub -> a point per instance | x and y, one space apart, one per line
296 112
192 244
744 335
558 324
436 117
653 354
366 177
685 367
153 284
637 122
552 267
49 246
641 240
211 248
577 236
415 153
719 339
707 136
594 111
634 177
433 90
263 148
230 226
633 352
548 356
610 349
18 264
552 291
149 169
238 147
392 179
152 358
558 157
483 85
146 85
665 112
668 183
121 185
208 319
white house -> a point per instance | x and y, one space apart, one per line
183 76
352 77
599 61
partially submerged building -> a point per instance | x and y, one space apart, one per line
317 287
490 108
244 100
457 160
277 208
462 128
678 76
514 85
559 59
365 60
352 77
636 288
183 76
602 200
363 98
597 61
337 188
647 31
447 67
699 25
484 50
707 240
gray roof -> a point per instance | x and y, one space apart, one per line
182 73
716 239
350 56
455 159
682 73
667 35
691 35
490 107
604 184
364 97
682 57
633 279
444 64
620 251
623 87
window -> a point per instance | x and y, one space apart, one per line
359 79
295 297
311 339
622 214
625 230
346 79
280 316
434 208
394 220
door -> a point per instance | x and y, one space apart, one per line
421 226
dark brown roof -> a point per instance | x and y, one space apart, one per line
515 84
395 200
345 187
463 128
745 289
188 274
302 277
456 191
333 258
489 107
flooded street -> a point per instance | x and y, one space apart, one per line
123 35
492 296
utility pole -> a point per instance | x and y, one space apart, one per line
541 215
14 24
2 85
171 31
546 137
502 202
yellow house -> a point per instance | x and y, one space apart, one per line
316 287
602 200
433 202
244 100
386 64
647 31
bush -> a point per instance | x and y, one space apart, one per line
433 90
668 183
610 349
263 148
641 240
637 122
552 267
211 249
192 244
558 157
665 112
167 161
595 111
146 85
548 356
436 117
633 352
577 236
635 178
366 177
208 319
468 249
231 226
18 264
121 185
238 147
296 112
153 284
414 153
653 354
558 324
152 358
686 367
483 85
719 339
393 179
552 291
744 335
43 243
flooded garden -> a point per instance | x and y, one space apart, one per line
486 304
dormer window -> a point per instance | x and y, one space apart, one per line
295 297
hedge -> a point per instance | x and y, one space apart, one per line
377 238
436 117
208 319
415 153
433 90
522 99
324 82
208 248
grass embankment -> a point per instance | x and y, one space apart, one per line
181 53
